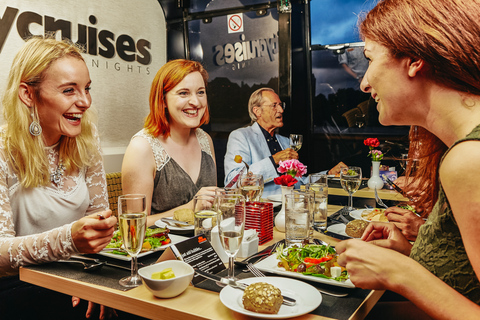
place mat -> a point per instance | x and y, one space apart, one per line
332 307
105 276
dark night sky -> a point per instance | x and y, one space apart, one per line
335 21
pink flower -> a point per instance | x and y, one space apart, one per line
292 167
376 155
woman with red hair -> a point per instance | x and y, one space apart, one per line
424 71
171 159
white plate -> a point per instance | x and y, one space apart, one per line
275 197
308 298
159 223
173 237
270 265
357 214
338 228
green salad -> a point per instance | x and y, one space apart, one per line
408 207
312 260
154 239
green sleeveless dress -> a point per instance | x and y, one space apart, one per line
439 246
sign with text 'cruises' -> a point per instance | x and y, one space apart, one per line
125 44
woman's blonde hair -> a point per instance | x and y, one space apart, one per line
26 153
167 78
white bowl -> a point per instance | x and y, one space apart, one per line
167 288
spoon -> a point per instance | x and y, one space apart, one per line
86 266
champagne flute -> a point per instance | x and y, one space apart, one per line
231 225
350 178
296 141
251 186
132 213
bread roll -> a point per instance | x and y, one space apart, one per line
185 215
263 298
355 228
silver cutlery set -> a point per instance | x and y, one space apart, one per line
91 264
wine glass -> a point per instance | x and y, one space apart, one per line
251 186
132 213
296 141
231 225
350 178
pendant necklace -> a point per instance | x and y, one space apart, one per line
56 176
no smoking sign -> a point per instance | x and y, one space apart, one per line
235 22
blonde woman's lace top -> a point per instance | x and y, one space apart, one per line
173 187
35 223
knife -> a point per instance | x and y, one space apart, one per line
79 257
177 223
238 285
396 187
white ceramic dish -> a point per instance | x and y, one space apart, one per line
162 224
173 237
167 288
308 298
270 265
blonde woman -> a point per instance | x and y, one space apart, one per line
54 199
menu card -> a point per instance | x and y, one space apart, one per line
197 252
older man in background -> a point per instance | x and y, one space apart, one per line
257 144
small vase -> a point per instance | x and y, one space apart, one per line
375 181
280 217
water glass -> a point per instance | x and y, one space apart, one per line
297 218
132 213
311 195
251 186
320 210
205 215
318 183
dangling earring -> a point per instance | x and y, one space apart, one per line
35 128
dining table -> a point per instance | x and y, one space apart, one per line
199 301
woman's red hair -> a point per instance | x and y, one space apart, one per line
444 34
167 78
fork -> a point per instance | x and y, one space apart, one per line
257 273
264 255
379 201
